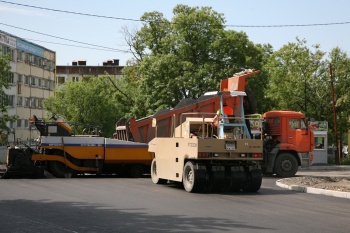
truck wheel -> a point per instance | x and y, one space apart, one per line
136 171
286 165
192 179
154 176
253 182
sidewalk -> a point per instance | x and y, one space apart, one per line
317 174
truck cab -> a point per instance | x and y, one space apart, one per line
288 142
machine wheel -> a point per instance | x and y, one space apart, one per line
135 171
237 179
154 176
219 181
60 170
253 182
286 165
192 179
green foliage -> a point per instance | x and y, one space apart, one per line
185 57
93 101
5 73
300 81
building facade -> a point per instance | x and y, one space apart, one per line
79 69
33 80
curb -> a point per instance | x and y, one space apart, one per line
311 190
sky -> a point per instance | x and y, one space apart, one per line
71 36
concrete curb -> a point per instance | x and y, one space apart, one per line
311 190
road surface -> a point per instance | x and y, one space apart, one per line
138 205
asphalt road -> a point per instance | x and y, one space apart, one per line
137 205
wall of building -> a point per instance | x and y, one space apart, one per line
79 69
33 81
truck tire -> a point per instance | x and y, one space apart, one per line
286 165
192 179
154 176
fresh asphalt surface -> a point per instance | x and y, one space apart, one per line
136 205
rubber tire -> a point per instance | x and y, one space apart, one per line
254 180
237 179
59 170
250 103
286 165
192 179
136 171
154 176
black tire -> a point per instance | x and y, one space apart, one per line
136 171
237 179
154 176
60 170
219 181
254 180
192 179
286 165
249 103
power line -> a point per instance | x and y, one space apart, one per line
137 20
71 12
76 46
98 46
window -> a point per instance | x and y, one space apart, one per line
11 78
19 78
40 103
39 82
47 84
36 60
26 80
19 88
33 103
26 101
19 123
26 123
19 55
19 100
27 56
33 83
10 99
319 142
60 80
51 85
11 125
75 79
294 123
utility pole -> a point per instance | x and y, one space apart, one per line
337 155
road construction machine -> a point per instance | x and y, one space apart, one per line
64 154
287 140
204 157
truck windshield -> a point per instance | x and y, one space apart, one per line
297 123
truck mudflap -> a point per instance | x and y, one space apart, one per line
19 164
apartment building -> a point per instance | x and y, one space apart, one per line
32 81
79 68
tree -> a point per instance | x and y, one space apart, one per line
5 73
299 80
184 57
341 82
94 101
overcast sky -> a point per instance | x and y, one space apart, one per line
70 35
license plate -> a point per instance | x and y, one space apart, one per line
230 146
